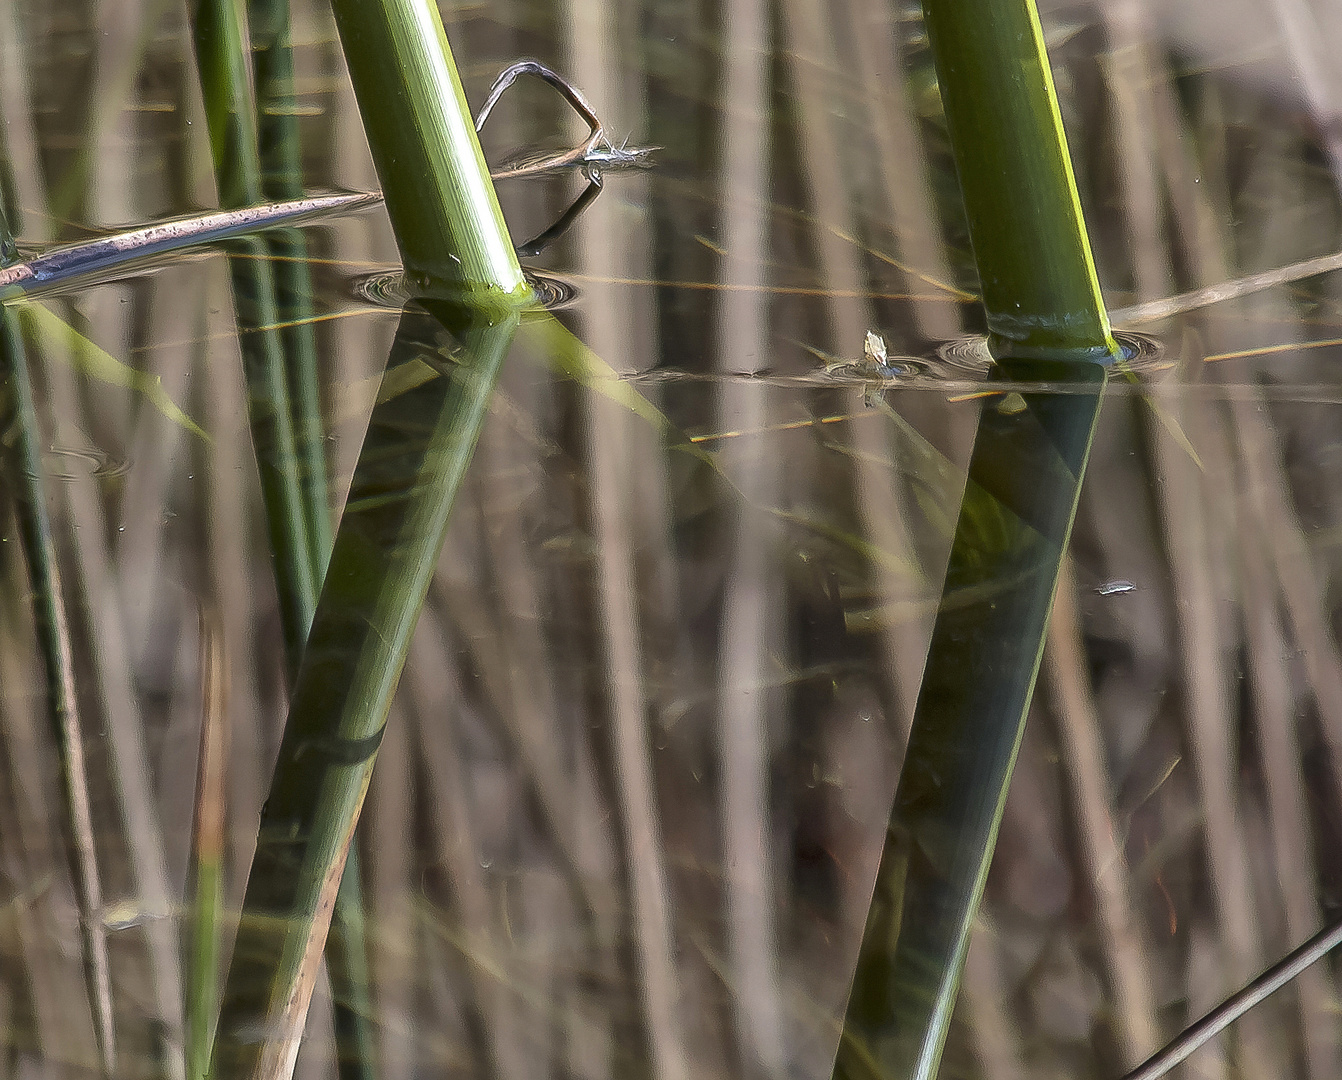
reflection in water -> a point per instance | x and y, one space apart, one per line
554 291
388 289
92 461
1014 524
500 853
415 455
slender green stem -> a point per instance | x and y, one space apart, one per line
281 164
207 856
281 179
351 978
53 632
221 52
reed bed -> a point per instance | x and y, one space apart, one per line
632 793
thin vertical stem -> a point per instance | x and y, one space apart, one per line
221 54
750 618
54 636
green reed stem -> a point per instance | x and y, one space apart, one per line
257 154
53 633
419 442
1047 323
1040 290
280 150
221 52
439 195
282 178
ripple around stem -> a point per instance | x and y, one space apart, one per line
389 289
968 357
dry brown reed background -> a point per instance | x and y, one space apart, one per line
631 796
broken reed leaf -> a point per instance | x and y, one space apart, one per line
80 263
95 362
1239 1003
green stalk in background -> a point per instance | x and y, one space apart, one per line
452 237
272 289
207 854
221 54
1047 323
53 633
281 162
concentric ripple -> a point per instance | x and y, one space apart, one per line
69 463
968 357
554 292
385 288
388 289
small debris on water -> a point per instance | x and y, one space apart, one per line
874 348
1116 587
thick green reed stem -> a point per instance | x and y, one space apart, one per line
1047 323
1040 291
439 195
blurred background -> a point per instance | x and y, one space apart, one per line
627 812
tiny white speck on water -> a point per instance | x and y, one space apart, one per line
1116 588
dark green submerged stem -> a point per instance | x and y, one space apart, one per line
414 456
221 53
1019 502
53 634
1046 323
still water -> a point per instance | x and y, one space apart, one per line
627 810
